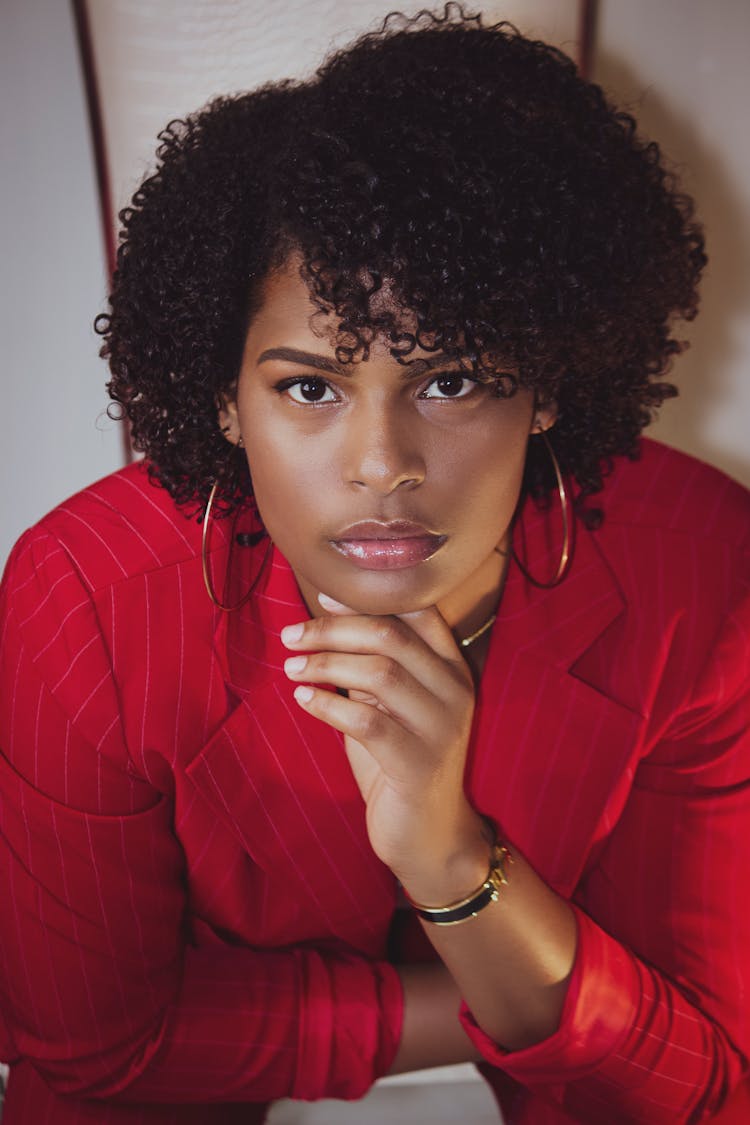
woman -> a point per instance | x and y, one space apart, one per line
436 747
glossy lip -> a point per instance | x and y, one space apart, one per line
372 545
385 529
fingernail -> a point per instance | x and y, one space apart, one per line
295 664
303 694
329 603
291 634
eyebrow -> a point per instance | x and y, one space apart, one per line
305 359
412 367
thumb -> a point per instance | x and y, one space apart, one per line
431 626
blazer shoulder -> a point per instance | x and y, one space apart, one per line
679 495
119 527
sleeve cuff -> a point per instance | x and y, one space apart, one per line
599 1009
351 1026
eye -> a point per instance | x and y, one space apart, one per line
308 391
452 384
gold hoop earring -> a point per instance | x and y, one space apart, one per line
562 566
204 560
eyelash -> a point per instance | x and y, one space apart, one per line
286 385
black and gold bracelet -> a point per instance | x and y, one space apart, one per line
470 906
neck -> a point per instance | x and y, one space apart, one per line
470 607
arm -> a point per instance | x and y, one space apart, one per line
646 1026
655 1025
431 1034
407 724
99 985
679 858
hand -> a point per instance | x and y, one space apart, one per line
406 722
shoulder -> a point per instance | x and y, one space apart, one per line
676 533
678 499
121 526
61 571
676 537
73 582
676 541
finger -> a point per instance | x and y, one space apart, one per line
384 636
373 729
429 624
382 682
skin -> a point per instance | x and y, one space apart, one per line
327 448
383 443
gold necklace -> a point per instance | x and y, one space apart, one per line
493 616
479 632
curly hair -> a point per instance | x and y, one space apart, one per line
515 214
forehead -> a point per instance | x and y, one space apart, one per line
289 325
286 311
285 301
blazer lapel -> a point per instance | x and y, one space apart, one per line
552 758
281 781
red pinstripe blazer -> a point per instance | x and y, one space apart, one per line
191 913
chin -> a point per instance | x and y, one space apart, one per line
377 600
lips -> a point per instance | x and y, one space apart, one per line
392 545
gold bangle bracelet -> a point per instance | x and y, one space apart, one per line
469 907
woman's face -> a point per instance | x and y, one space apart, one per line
386 486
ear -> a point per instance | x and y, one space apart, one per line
228 416
544 417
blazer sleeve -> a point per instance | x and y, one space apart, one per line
99 988
656 1024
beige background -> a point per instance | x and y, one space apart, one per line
158 59
682 67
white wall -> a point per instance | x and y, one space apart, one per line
159 59
53 438
682 66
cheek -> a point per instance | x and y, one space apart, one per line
485 471
288 482
274 473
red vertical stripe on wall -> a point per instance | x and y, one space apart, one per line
588 17
103 183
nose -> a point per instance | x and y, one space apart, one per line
382 449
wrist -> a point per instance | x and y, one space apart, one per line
447 876
461 910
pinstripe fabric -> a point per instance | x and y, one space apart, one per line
194 912
145 914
